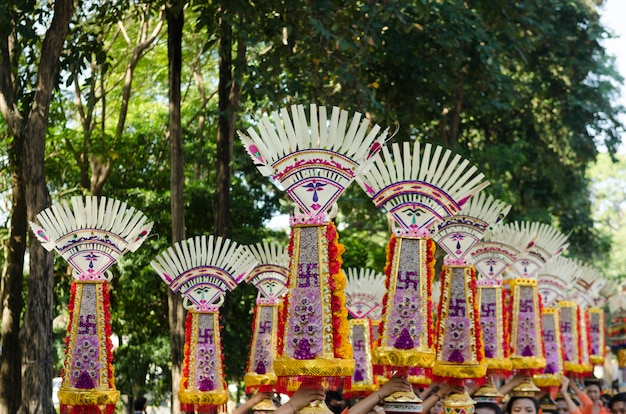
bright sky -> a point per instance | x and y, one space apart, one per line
613 15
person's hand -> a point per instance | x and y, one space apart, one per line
260 396
395 384
303 396
446 389
520 379
564 384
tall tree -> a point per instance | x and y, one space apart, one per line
25 109
175 16
229 90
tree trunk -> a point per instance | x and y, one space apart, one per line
221 208
228 92
11 292
37 330
176 315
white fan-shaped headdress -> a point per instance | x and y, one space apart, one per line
365 289
547 242
588 286
92 233
556 278
270 275
203 268
418 189
313 161
497 251
459 233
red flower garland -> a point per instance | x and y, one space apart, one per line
391 247
431 247
187 350
506 322
478 330
107 332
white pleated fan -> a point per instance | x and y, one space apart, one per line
314 161
588 286
547 242
498 250
608 290
458 233
418 189
365 289
270 275
617 302
91 233
203 269
556 278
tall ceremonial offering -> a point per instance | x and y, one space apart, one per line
417 190
90 235
269 276
365 290
555 278
617 329
202 270
459 340
597 322
460 351
526 346
314 161
586 289
491 257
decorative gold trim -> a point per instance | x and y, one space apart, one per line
357 386
252 379
459 403
518 362
265 405
460 370
75 396
318 367
621 357
416 357
596 360
203 397
546 380
498 363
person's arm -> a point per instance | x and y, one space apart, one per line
442 393
424 394
514 382
395 384
584 399
573 408
252 401
300 399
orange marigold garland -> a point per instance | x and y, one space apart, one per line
337 283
